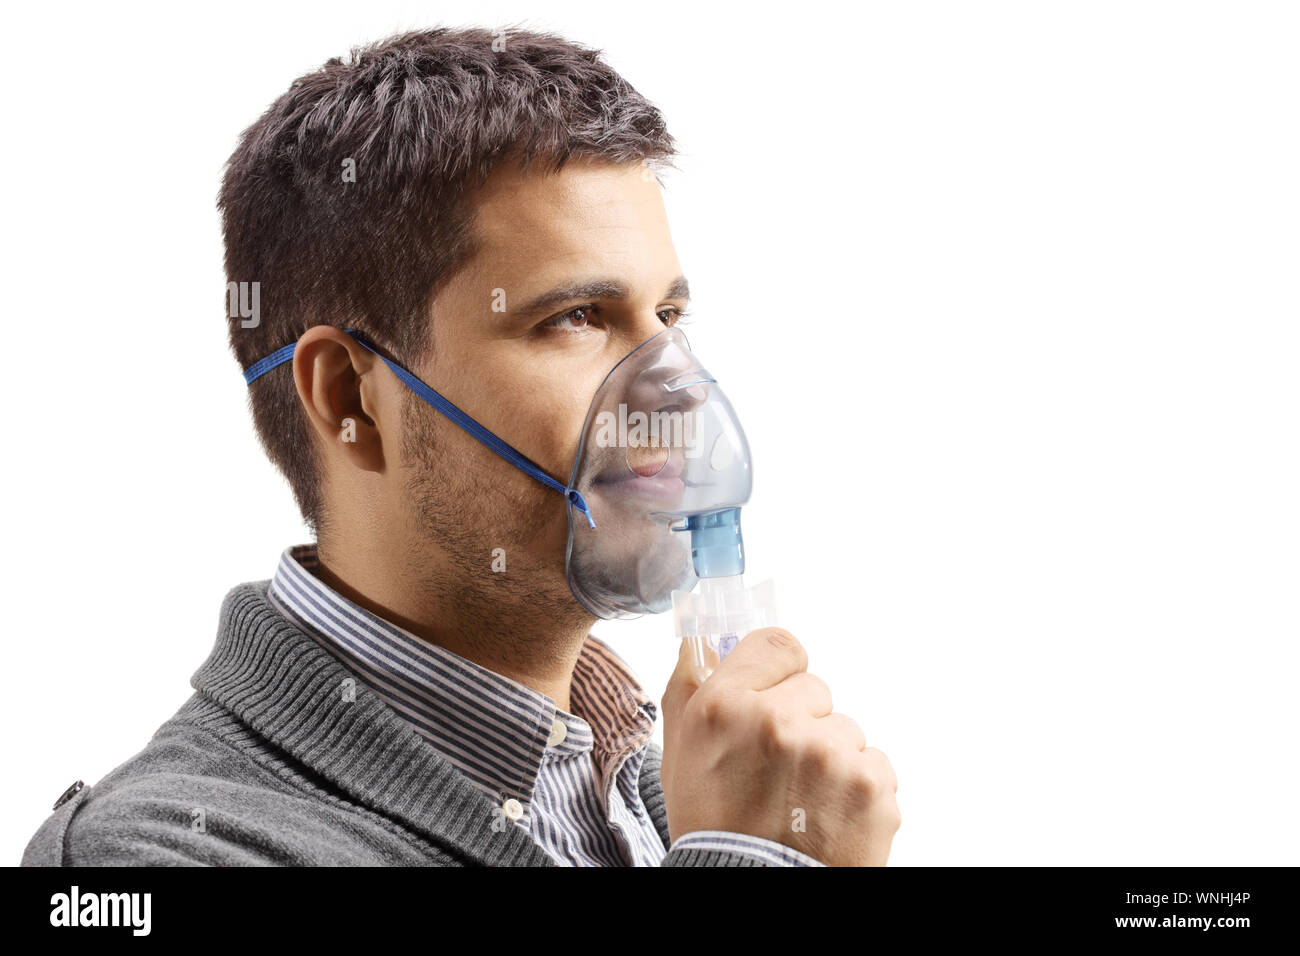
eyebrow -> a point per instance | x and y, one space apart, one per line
679 288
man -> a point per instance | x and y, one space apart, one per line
419 687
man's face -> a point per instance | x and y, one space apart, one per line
573 270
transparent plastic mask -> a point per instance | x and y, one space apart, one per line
660 443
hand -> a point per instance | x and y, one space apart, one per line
757 743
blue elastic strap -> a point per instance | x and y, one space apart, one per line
282 355
262 366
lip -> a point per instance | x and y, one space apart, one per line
665 485
661 487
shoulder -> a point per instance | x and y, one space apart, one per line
189 798
156 820
132 824
203 794
159 807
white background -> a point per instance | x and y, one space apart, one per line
1005 294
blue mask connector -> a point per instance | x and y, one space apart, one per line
717 547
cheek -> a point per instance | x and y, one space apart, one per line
533 399
545 426
567 429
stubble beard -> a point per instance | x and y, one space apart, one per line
473 512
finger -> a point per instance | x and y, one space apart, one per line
881 764
682 685
844 730
802 693
762 659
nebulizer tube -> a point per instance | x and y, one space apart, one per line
714 617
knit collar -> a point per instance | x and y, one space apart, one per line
279 681
496 731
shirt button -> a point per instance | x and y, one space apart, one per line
513 809
558 733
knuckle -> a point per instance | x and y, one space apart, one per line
825 689
774 731
852 729
863 784
713 710
876 758
820 755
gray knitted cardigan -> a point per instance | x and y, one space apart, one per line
270 764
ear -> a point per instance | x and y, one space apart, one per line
338 389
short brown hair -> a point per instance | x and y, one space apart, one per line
423 117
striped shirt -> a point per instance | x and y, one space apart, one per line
568 779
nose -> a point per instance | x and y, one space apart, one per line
670 376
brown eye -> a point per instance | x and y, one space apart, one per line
573 320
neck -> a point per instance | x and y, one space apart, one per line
505 629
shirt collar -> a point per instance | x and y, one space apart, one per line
494 730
